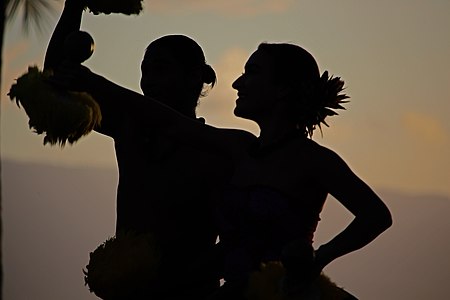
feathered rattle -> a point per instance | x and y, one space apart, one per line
126 7
63 116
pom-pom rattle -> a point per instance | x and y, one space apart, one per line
63 116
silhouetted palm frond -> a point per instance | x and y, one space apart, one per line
33 12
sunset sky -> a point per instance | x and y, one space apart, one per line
393 55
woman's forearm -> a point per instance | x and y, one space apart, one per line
358 234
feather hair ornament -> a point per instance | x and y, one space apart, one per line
63 116
322 98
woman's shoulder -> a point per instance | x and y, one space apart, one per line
316 153
307 145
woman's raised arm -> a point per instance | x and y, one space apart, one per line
69 22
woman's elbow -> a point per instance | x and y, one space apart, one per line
383 219
388 219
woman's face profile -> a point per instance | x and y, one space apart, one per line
255 88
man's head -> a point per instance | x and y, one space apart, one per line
174 72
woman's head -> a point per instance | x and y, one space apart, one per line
291 78
175 72
290 64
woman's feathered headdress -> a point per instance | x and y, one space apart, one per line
322 98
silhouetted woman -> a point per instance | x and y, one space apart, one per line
280 179
165 187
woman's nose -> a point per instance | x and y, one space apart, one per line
237 83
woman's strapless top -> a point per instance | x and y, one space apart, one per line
256 223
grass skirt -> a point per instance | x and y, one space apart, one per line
123 267
266 285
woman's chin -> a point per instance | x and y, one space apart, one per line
237 111
242 113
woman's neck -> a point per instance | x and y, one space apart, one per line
273 139
275 129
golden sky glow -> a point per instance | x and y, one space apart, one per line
392 55
395 133
231 8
